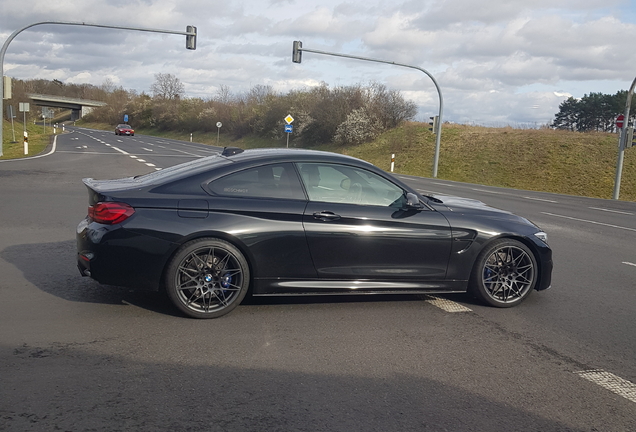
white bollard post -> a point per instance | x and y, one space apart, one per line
392 161
26 142
190 137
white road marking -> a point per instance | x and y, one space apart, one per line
157 169
147 149
541 199
611 382
141 160
120 150
84 152
444 184
492 192
446 305
150 165
589 221
611 211
133 156
628 263
35 157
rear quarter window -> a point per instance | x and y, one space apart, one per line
267 181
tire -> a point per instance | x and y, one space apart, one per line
207 278
504 274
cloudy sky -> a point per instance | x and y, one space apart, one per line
497 62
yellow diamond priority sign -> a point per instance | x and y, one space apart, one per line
289 119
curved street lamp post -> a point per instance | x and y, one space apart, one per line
297 58
190 34
622 142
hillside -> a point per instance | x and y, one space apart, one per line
546 160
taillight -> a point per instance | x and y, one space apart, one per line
110 213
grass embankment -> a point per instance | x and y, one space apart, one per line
38 140
543 160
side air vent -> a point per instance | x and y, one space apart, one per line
231 151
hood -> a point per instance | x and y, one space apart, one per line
455 203
475 208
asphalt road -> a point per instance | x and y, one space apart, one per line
77 356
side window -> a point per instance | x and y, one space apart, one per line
267 181
345 184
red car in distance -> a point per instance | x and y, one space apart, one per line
124 129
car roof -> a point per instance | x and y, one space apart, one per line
294 155
246 158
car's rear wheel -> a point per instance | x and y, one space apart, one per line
504 274
207 278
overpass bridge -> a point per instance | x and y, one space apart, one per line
78 107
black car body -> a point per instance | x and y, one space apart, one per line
124 129
300 222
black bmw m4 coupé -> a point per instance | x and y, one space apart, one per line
300 222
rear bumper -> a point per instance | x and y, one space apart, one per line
113 255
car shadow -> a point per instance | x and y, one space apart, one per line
51 267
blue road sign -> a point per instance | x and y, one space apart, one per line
289 128
125 118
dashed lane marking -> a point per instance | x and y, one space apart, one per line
445 184
611 211
489 191
541 199
611 382
628 263
589 221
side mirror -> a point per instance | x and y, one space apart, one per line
413 202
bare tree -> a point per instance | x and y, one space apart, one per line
167 86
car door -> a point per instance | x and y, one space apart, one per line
357 227
263 207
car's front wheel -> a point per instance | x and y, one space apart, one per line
207 278
504 274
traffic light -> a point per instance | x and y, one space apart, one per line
297 52
191 40
433 124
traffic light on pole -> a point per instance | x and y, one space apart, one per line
433 124
191 39
297 52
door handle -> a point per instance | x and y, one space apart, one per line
326 216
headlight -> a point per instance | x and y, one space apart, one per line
542 236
